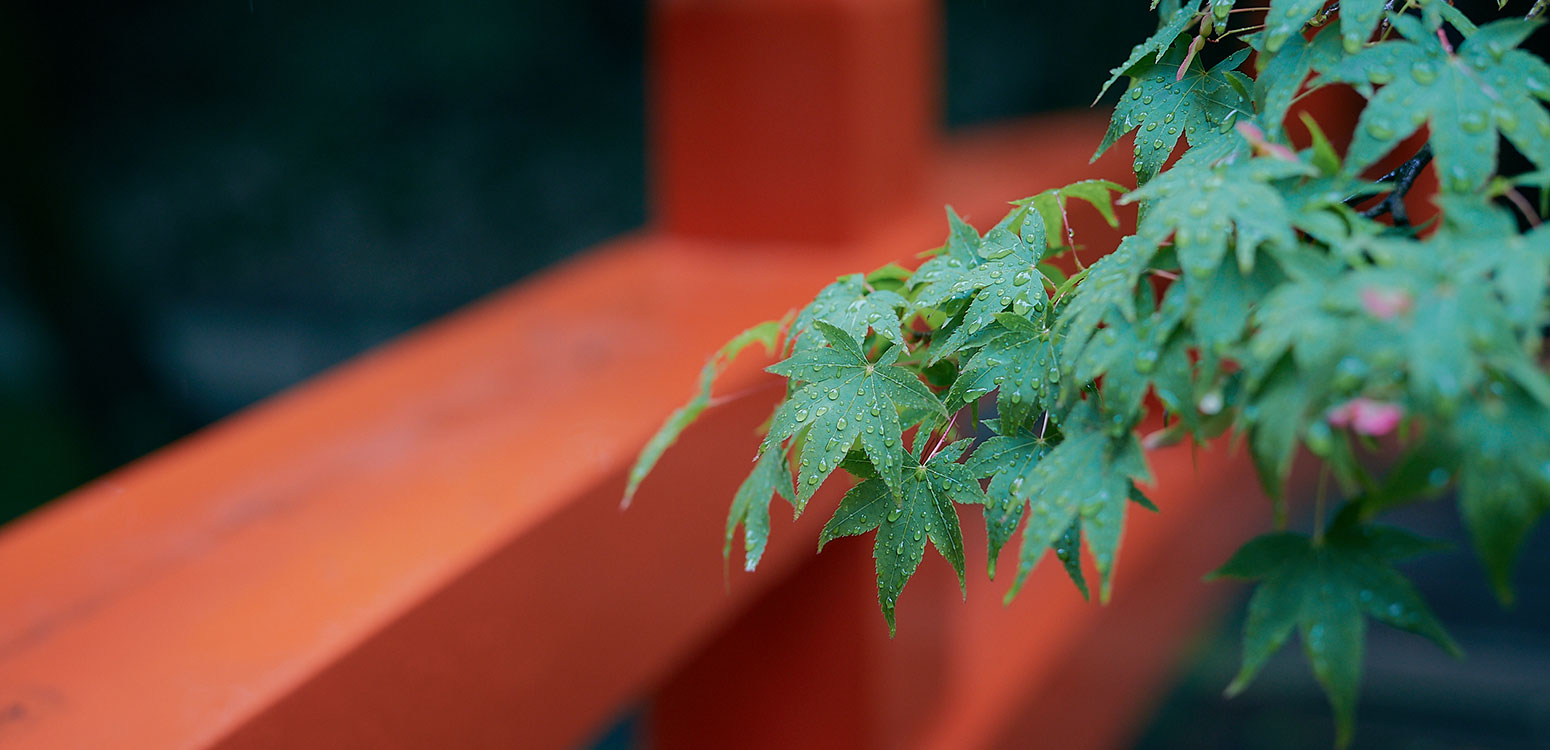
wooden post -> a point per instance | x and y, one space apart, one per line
790 119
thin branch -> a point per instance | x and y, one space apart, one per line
1403 177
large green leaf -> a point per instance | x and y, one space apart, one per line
1161 106
1009 277
1504 478
1085 477
922 510
1019 364
847 399
1466 98
1208 209
1325 589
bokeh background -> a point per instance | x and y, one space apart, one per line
203 203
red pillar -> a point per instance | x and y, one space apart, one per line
789 119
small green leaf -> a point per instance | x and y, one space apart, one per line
1156 44
751 506
764 334
848 305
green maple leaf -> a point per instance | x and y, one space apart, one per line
1006 460
936 281
1220 304
1324 588
1281 402
1504 477
923 509
1157 44
1019 363
1206 208
1466 97
848 305
1109 284
1128 356
751 506
1009 277
1161 107
1277 85
847 399
1517 266
1286 19
1084 477
764 334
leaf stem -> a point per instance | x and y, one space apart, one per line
942 439
1521 203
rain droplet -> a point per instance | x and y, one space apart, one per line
1473 122
1135 93
1054 375
833 394
1380 76
893 515
840 424
1151 126
801 415
1506 120
1380 130
1423 72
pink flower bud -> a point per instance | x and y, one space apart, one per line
1263 146
1366 416
1385 303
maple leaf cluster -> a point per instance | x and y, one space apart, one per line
1272 291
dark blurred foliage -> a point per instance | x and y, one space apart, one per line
205 203
1414 696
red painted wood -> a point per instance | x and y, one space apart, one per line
791 120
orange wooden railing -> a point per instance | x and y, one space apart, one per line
424 547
